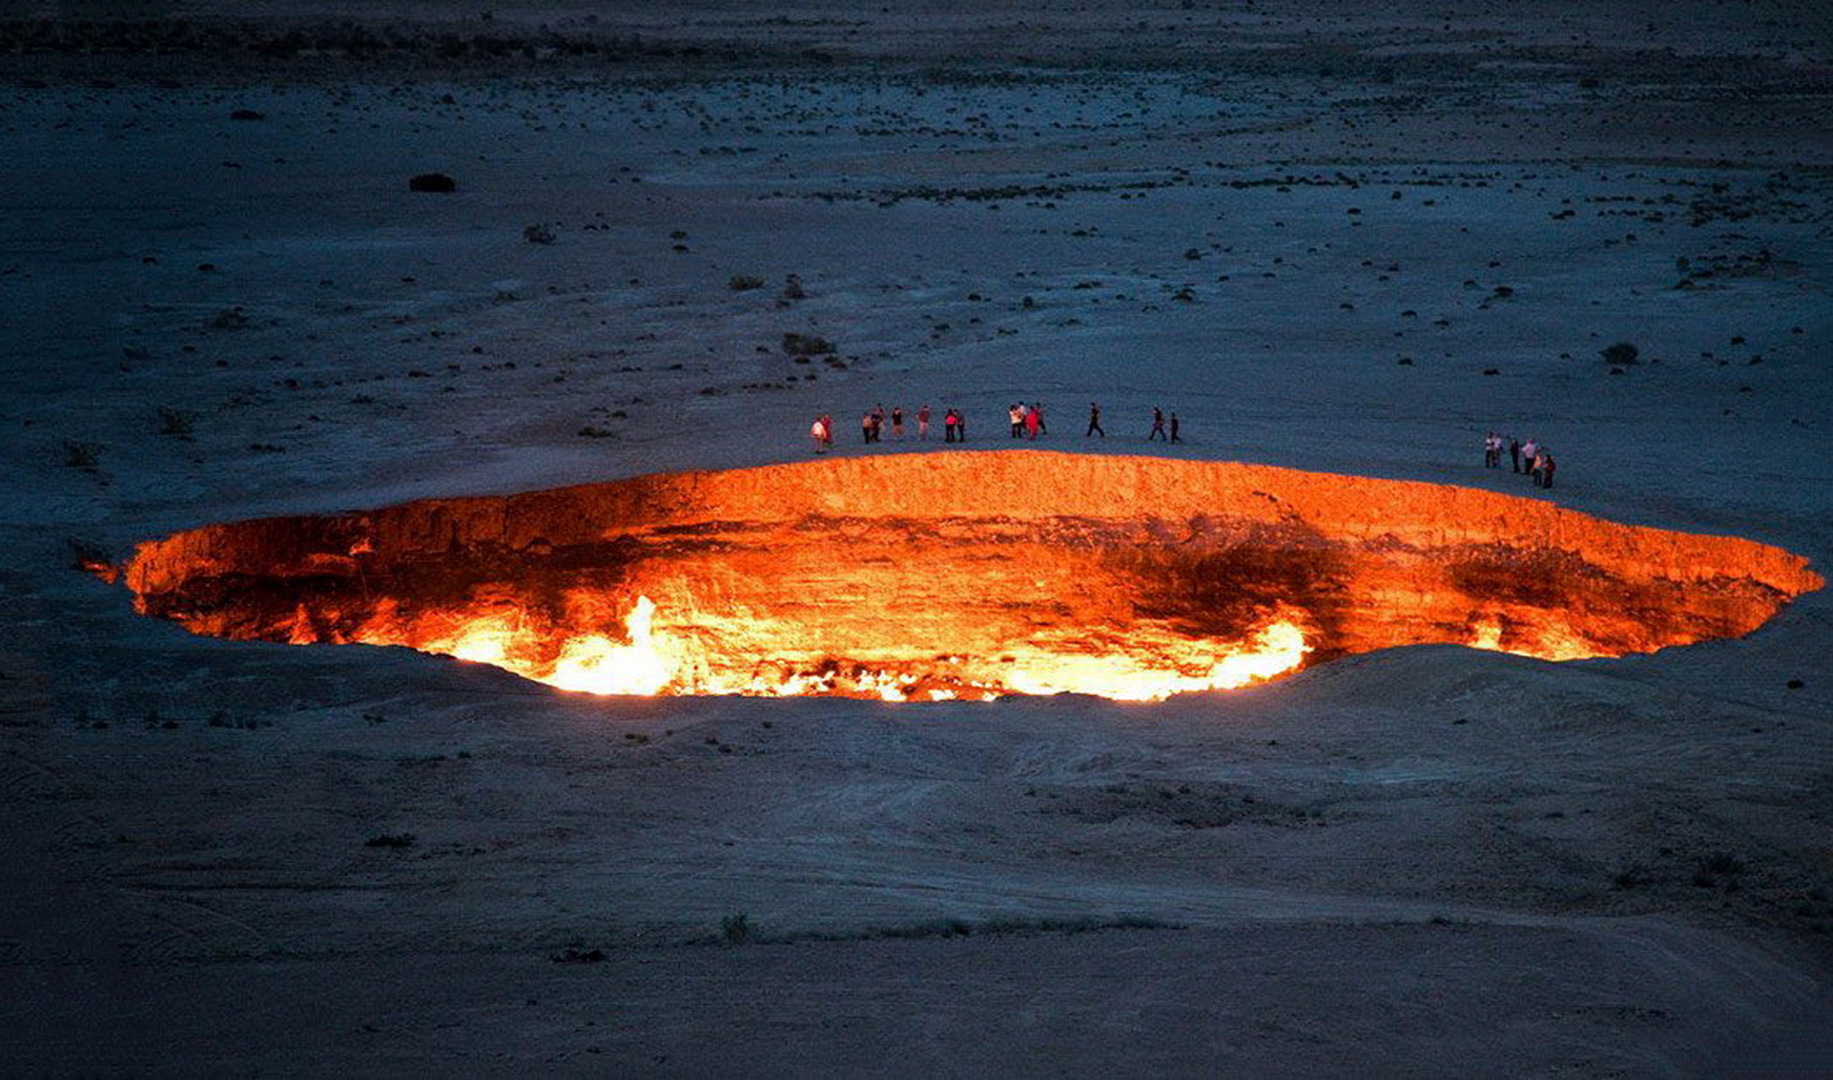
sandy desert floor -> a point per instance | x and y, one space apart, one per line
1333 237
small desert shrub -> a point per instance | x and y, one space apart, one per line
735 928
81 455
1724 863
432 181
1631 877
806 345
792 288
391 840
538 233
744 283
1621 353
176 422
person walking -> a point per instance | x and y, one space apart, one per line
897 422
1514 453
1174 437
1094 421
827 428
1158 424
923 424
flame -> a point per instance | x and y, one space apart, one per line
1275 650
590 663
1547 641
598 665
650 662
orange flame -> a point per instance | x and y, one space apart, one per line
651 662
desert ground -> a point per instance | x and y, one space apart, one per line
1332 236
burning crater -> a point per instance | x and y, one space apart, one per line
963 575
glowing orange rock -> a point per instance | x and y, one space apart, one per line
963 575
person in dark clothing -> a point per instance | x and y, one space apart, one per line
1174 437
951 424
1514 452
1094 421
897 421
1158 424
865 427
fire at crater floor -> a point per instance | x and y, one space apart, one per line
968 575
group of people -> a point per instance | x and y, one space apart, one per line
1158 426
873 421
1027 422
1531 457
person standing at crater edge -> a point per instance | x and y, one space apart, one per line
1094 421
923 424
1514 453
1174 426
897 422
819 432
1034 422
